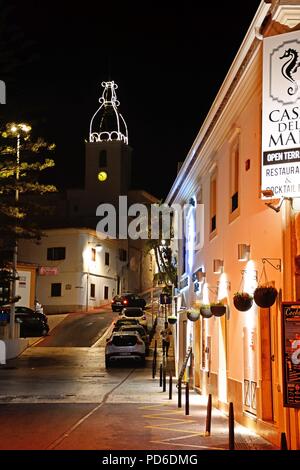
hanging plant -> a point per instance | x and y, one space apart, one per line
265 297
218 309
172 320
205 311
242 301
193 315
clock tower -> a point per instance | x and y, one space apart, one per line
107 158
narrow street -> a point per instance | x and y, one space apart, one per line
62 397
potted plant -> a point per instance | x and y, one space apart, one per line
205 311
218 309
242 301
265 296
193 314
172 320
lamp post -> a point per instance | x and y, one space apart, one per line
16 130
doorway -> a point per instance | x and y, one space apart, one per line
267 364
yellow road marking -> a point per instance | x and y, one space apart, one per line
165 418
197 433
188 445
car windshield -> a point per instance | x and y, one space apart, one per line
133 313
124 340
140 330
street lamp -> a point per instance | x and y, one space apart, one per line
16 130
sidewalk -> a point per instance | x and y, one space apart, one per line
171 428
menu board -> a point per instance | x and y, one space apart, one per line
291 353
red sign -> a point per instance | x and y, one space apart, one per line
48 271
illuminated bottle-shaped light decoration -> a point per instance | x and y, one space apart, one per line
107 124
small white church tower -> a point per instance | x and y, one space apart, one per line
107 158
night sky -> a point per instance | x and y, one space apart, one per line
168 61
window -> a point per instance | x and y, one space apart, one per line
122 255
56 289
106 259
105 292
234 176
93 254
102 159
56 253
92 290
213 202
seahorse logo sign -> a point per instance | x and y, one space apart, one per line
285 72
2 92
289 68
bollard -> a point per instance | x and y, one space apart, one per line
179 393
164 380
155 350
187 399
160 375
170 387
208 416
153 368
283 442
231 426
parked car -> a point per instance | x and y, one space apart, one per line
124 321
123 345
31 323
21 311
140 330
135 313
127 300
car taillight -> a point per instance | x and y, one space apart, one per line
125 301
143 317
139 341
112 301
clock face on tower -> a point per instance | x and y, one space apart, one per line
102 176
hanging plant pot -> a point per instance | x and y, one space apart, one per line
265 297
172 320
205 311
218 310
242 301
193 315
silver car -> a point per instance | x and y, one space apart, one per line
124 345
135 313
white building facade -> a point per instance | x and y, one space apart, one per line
241 243
75 270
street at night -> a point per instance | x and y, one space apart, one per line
150 231
64 398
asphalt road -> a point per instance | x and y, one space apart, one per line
79 330
64 398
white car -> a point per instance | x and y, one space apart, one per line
125 345
135 313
